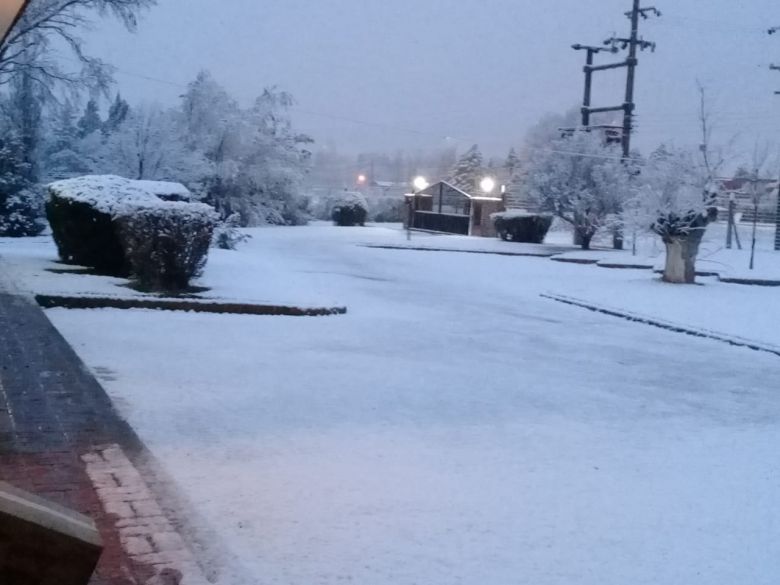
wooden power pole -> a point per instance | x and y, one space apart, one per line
633 43
772 31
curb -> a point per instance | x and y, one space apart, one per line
659 323
69 302
486 252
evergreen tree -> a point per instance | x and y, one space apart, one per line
24 110
512 163
467 172
90 122
117 114
20 205
65 155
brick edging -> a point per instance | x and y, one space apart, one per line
77 302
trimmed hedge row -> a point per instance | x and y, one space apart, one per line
525 228
165 249
86 236
119 228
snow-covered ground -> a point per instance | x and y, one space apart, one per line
455 427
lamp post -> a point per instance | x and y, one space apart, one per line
10 13
418 184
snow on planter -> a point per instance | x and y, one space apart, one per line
98 221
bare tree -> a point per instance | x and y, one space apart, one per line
758 191
30 47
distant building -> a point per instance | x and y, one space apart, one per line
446 209
740 190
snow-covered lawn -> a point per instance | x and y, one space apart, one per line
455 427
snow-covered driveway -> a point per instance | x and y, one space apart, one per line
453 428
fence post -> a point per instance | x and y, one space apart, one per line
777 223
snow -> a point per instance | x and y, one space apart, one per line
166 190
516 213
455 427
116 195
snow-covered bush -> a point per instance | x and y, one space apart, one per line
22 214
349 208
227 235
166 245
85 235
518 226
388 209
84 215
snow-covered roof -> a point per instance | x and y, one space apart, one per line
115 195
434 191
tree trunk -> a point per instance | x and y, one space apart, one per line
585 240
681 252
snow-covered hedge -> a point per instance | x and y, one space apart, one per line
521 226
166 246
91 218
349 208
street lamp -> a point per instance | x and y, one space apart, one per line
487 185
362 179
10 13
420 184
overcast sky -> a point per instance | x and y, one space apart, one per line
387 74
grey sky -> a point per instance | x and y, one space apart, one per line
474 70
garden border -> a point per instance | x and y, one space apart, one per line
76 302
661 324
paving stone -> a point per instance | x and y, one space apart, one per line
56 423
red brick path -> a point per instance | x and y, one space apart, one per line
61 438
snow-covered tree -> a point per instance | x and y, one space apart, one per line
147 145
254 160
23 111
677 194
276 158
580 180
117 114
65 155
51 27
512 163
90 120
20 203
468 170
680 190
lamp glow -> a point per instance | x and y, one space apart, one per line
487 185
420 184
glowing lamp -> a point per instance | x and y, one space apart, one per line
487 185
421 184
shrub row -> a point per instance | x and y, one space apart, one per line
121 227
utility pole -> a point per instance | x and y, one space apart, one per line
773 67
634 43
588 69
